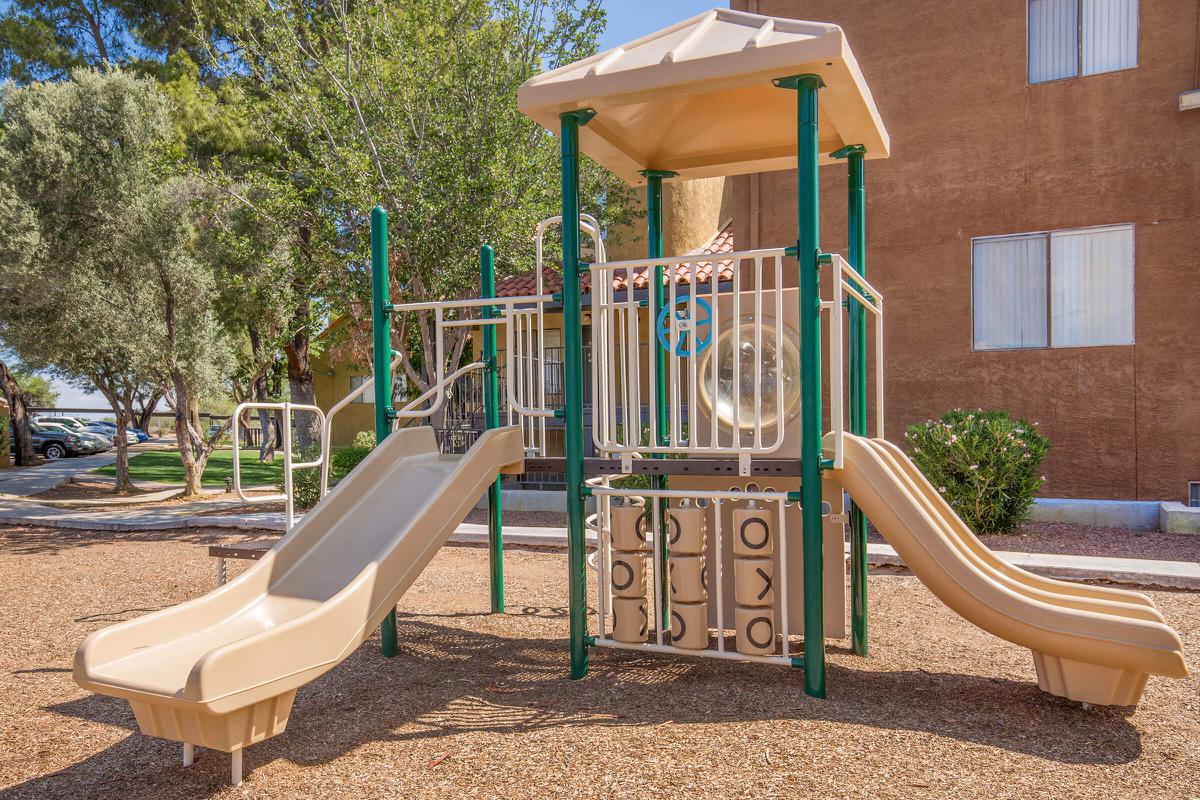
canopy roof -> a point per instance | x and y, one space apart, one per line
697 99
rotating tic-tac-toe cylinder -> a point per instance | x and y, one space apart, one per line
627 574
689 625
686 531
689 579
753 534
755 630
754 582
631 619
629 527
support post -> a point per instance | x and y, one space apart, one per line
658 298
491 413
571 121
856 211
808 197
381 324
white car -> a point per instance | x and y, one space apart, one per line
110 433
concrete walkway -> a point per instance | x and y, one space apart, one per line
24 481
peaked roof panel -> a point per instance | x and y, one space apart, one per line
697 99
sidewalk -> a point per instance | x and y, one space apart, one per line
24 481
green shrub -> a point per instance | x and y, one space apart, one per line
346 459
306 483
983 463
4 421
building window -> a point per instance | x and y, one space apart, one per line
1070 288
356 382
1068 38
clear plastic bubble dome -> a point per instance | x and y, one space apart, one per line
775 381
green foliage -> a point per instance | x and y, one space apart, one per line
983 463
413 105
35 389
346 459
4 435
306 483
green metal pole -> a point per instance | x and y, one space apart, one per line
573 390
381 324
857 235
658 299
491 412
808 197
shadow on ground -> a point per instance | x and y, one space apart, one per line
448 680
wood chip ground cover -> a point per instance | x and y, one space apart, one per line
479 706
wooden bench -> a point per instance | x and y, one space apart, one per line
250 551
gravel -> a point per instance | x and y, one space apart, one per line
480 706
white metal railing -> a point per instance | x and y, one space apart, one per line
601 522
525 348
289 466
848 283
696 337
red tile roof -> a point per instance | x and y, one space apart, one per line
526 284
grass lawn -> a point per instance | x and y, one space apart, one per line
164 466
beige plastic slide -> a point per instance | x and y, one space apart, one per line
1090 644
221 671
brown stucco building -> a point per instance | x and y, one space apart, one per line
992 136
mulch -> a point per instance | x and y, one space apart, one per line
477 705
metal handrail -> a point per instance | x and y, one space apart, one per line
846 279
288 465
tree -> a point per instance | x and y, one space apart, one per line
22 439
74 157
414 106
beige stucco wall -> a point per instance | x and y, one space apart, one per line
331 382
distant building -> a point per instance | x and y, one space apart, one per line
1036 230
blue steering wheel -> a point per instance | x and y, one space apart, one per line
679 333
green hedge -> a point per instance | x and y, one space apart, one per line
984 463
4 422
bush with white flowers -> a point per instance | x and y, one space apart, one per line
984 463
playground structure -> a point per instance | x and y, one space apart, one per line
735 551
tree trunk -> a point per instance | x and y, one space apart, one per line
22 439
144 413
266 423
185 422
300 386
123 483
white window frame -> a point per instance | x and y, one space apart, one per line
1050 345
356 382
1079 40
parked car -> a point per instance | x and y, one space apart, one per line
88 442
52 443
111 432
142 436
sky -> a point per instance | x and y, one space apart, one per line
627 20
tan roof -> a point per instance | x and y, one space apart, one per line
697 99
525 285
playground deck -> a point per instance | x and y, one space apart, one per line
479 706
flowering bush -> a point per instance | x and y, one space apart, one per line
983 463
